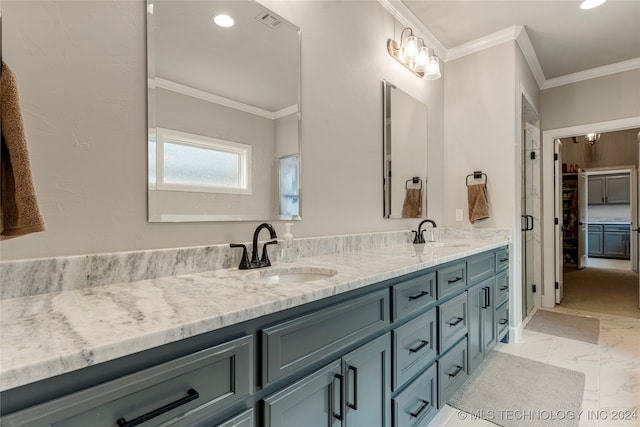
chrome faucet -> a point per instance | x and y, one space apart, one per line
256 262
419 237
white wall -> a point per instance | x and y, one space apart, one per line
81 73
479 132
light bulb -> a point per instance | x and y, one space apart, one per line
590 4
423 58
433 68
224 21
411 48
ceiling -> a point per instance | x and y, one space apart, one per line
566 39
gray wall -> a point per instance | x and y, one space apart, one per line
607 98
81 73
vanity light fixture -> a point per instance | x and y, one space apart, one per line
590 4
224 21
414 54
592 138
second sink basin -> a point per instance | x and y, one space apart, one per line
288 275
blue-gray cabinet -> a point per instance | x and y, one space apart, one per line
388 355
609 189
595 237
609 241
353 391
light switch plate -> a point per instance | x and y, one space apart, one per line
459 215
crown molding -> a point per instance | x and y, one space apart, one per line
408 19
286 111
161 83
477 45
530 56
592 73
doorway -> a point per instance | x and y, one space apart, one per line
600 261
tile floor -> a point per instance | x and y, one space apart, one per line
611 368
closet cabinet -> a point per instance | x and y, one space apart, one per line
609 189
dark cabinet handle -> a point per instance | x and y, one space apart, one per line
504 259
420 295
504 288
353 405
332 411
456 372
455 322
503 321
422 345
487 297
457 279
191 395
420 409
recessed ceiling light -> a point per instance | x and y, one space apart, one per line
590 4
223 20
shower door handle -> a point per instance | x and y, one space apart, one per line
527 226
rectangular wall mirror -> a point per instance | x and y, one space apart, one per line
404 154
223 112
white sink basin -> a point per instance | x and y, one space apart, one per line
288 275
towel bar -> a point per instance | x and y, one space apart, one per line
477 175
414 180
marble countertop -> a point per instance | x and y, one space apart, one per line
46 335
609 220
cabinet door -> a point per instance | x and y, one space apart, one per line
595 243
595 190
367 382
617 189
489 328
614 244
474 296
313 401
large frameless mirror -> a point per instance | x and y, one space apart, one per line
404 154
224 116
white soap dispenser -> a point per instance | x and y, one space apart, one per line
289 253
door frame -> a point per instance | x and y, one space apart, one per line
548 183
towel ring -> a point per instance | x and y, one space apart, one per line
477 175
414 180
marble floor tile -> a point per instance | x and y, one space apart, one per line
611 367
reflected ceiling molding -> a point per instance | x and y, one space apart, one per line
209 97
592 73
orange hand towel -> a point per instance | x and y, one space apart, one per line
412 206
19 212
478 204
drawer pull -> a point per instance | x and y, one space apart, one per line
504 259
504 288
353 405
455 322
332 410
452 281
191 395
420 409
456 372
503 321
420 295
422 345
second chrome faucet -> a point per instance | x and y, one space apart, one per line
257 262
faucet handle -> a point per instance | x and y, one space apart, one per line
419 237
244 262
265 261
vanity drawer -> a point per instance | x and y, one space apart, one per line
413 294
453 322
502 320
452 372
199 385
416 405
480 267
245 419
414 347
452 279
502 287
502 259
305 340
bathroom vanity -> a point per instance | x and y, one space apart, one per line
384 341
